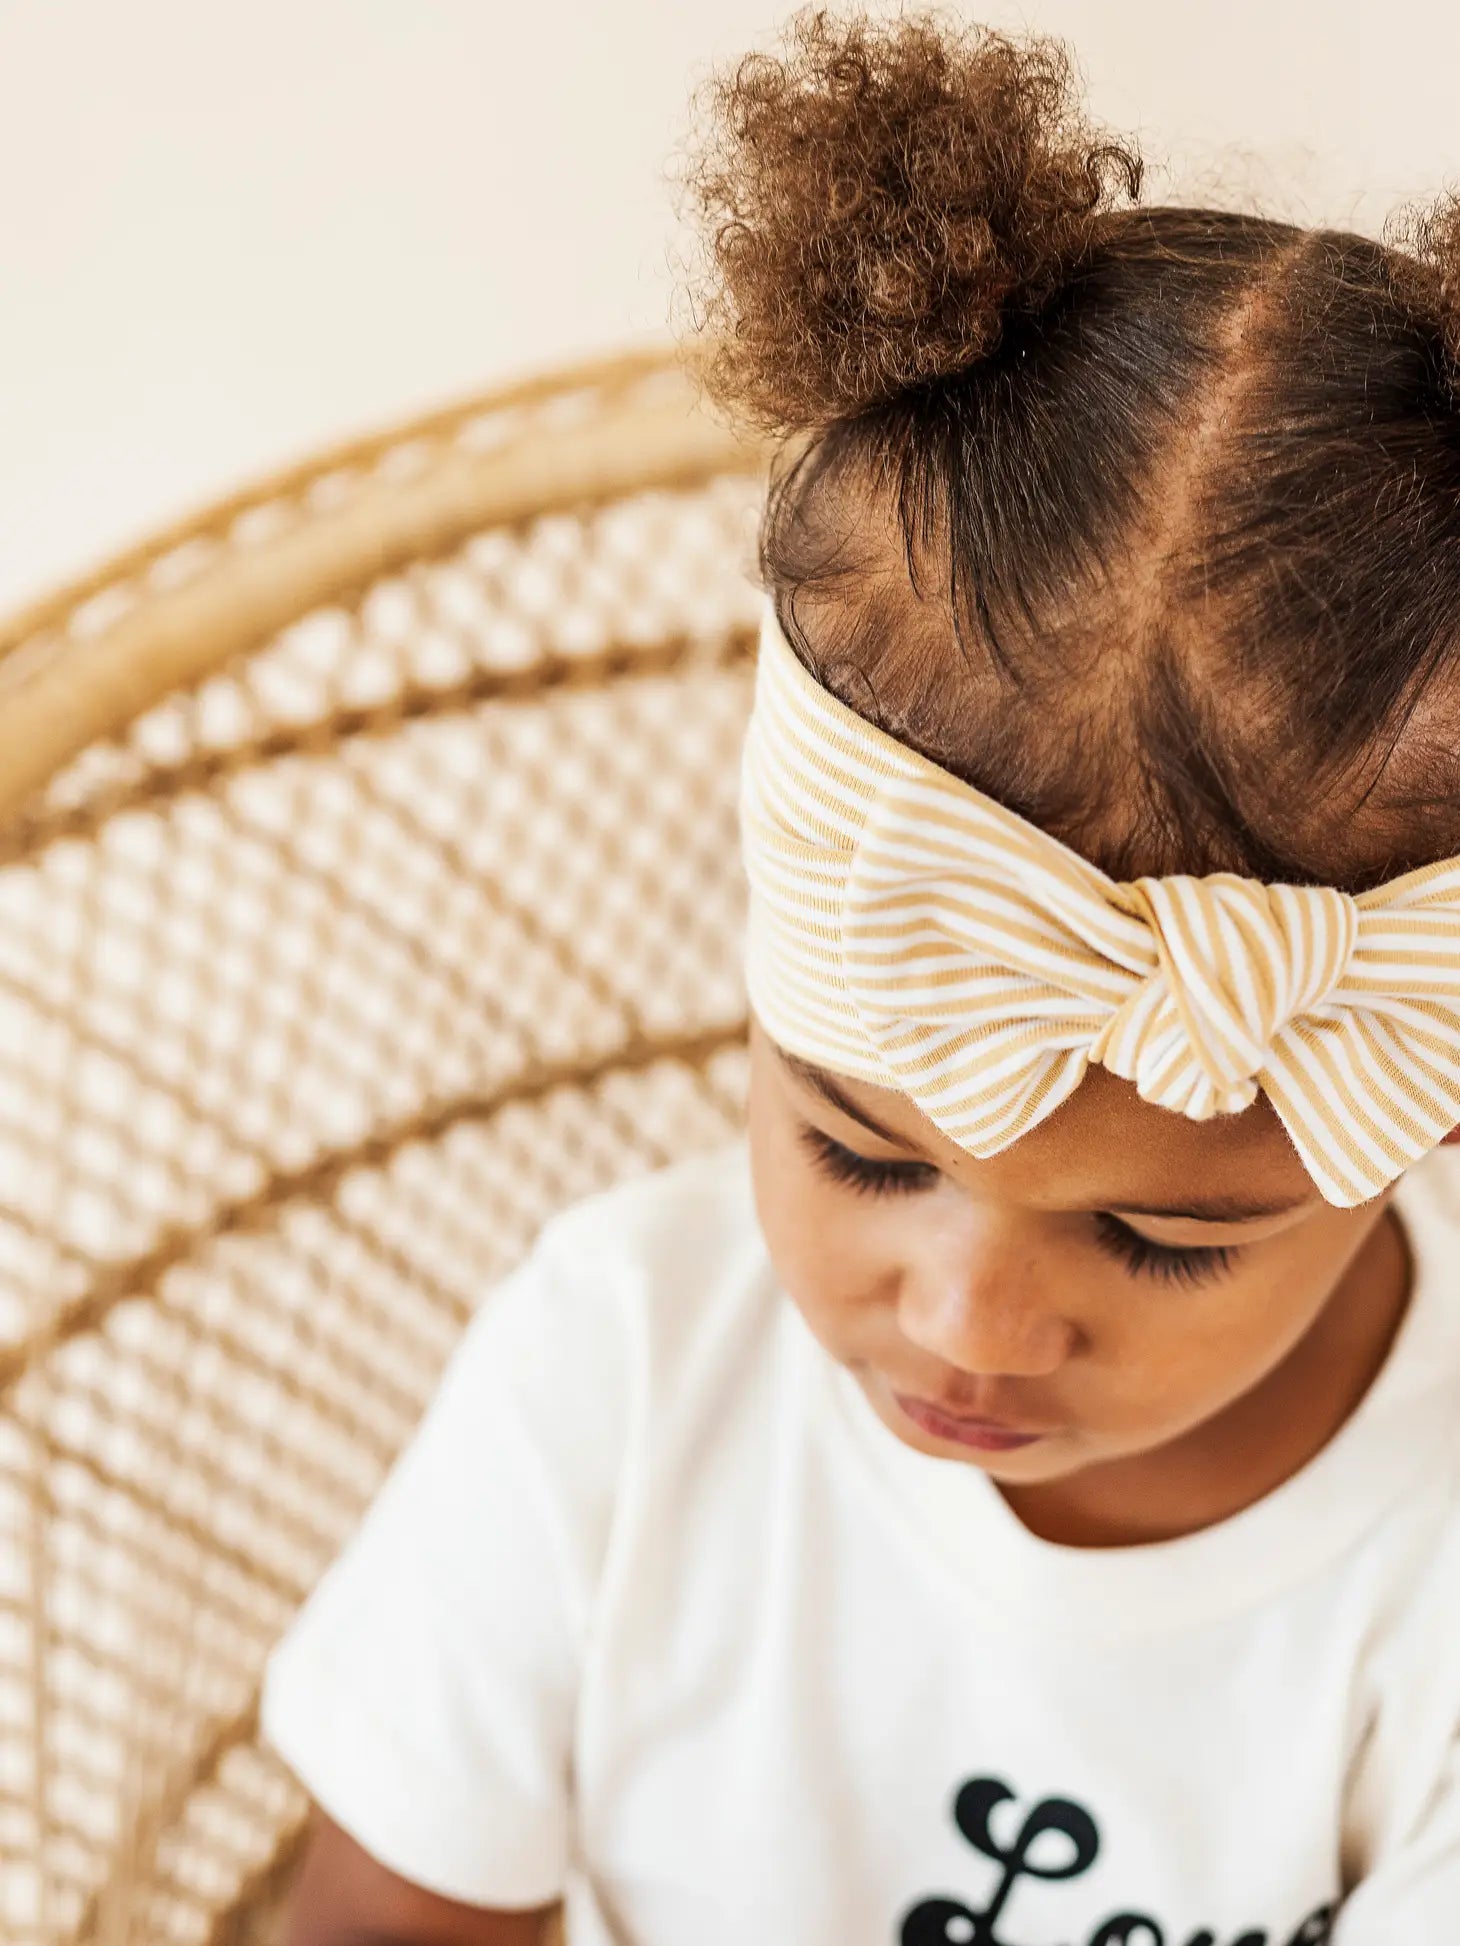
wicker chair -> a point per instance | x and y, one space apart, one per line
368 890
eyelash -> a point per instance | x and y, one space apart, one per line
1139 1254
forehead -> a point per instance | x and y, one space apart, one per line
1104 1147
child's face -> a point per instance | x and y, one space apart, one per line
1026 1290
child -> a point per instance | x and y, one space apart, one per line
1011 1496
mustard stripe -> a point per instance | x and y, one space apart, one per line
1417 1092
1343 1116
906 930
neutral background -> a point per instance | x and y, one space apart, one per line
231 233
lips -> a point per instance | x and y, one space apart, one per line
982 1419
966 1418
989 1435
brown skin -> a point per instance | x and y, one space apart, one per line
985 1287
344 1898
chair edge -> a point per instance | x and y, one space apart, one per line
61 692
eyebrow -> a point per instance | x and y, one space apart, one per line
1200 1209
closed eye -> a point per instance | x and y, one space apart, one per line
1169 1263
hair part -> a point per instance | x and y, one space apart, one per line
1144 521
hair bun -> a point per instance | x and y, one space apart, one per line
876 199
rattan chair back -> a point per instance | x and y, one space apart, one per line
368 891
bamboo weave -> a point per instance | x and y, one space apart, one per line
369 889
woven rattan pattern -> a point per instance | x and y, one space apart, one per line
324 980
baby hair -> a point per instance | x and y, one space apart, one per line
1143 520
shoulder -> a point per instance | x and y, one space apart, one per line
662 1218
664 1286
628 1272
663 1246
548 1386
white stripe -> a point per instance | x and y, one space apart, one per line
906 930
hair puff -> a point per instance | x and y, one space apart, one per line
876 199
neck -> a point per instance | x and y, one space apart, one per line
1251 1447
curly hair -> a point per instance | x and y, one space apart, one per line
879 199
1189 478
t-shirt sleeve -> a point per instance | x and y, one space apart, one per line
426 1693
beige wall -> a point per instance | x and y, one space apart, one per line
230 232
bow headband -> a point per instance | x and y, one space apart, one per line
906 930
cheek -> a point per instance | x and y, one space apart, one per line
1198 1350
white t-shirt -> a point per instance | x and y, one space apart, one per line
656 1614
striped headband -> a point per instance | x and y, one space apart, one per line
905 930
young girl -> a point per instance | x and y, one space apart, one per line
1011 1496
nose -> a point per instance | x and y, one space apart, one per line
987 1314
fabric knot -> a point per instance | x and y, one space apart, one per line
1237 962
